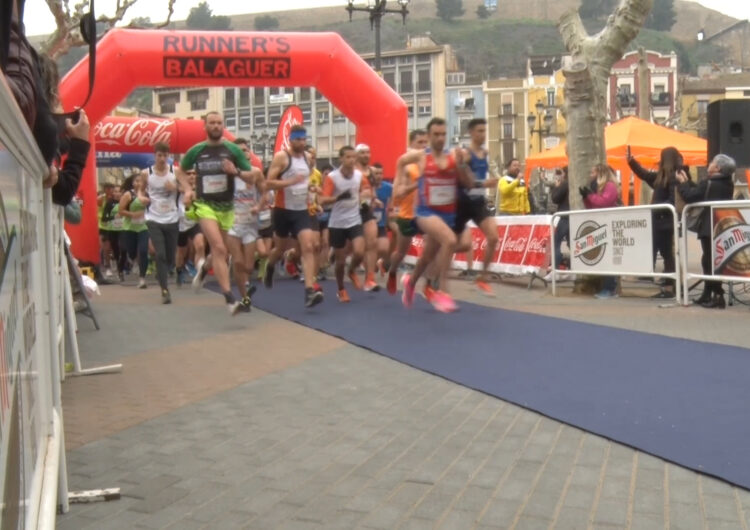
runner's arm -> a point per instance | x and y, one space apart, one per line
465 175
279 162
326 196
122 210
143 192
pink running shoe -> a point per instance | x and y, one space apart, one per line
407 298
443 302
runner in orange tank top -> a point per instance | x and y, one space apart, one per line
404 198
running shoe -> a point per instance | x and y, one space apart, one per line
245 305
485 288
180 277
371 286
234 308
355 280
142 283
407 298
200 276
165 297
312 297
268 275
291 269
428 292
443 302
392 284
343 296
317 287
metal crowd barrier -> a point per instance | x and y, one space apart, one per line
687 276
676 276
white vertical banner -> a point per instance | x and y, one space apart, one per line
611 241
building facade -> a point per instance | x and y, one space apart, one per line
463 104
623 92
696 94
507 105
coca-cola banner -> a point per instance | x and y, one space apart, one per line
731 241
523 246
616 241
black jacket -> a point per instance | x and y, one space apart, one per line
662 195
559 195
69 176
721 189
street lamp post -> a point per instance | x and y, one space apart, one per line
376 9
263 138
545 120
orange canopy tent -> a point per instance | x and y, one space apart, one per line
646 140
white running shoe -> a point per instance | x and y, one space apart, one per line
200 275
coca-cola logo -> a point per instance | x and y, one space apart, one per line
286 128
515 245
538 245
142 132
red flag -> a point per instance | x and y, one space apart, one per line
292 116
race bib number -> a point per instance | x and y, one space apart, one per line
378 214
163 206
264 216
117 223
215 183
243 213
442 195
138 221
476 192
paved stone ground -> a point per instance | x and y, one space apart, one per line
256 422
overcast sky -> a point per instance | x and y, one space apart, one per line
39 20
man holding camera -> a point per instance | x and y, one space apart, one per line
513 195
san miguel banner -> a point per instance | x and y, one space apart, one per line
731 241
618 241
523 246
292 116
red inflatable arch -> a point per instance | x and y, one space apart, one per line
127 59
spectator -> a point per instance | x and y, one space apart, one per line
559 195
601 192
512 191
664 183
718 186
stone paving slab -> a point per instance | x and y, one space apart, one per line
343 438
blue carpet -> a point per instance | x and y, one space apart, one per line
685 401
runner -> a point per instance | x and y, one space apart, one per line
289 176
217 163
162 215
382 212
134 234
324 256
472 203
105 202
243 235
115 226
369 224
441 172
191 244
344 188
265 232
404 199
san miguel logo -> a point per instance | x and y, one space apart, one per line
590 242
238 57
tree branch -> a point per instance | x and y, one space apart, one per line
573 33
622 27
169 15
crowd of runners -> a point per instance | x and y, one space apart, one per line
217 211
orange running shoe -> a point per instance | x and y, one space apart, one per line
371 286
485 288
343 296
355 280
392 284
428 292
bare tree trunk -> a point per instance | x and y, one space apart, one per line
586 85
644 112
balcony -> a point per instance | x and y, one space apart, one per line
464 105
661 99
627 100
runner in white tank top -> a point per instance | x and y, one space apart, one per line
162 215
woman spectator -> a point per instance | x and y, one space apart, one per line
664 184
718 186
602 193
559 195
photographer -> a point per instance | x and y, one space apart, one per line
664 183
559 195
718 186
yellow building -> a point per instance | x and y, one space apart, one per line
545 118
696 94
